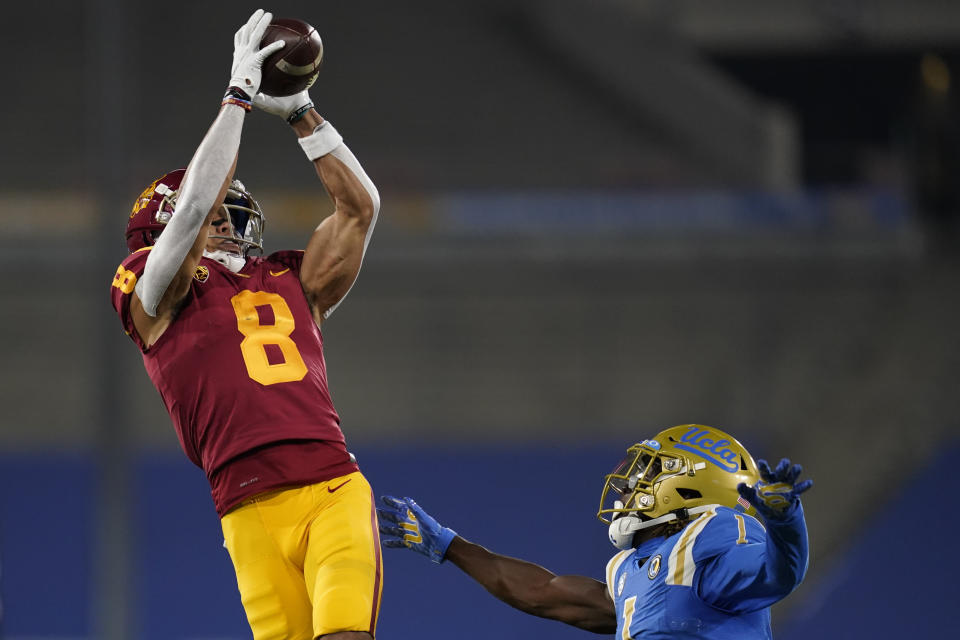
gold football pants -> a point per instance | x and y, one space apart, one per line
307 559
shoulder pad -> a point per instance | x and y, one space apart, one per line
122 286
725 529
613 567
290 259
137 259
713 533
125 277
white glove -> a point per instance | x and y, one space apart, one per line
247 56
290 108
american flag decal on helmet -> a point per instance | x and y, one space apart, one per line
742 503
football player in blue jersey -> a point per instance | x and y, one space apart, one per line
694 560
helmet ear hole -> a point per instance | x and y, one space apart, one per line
689 494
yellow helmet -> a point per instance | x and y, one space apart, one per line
681 471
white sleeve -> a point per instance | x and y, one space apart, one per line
205 175
344 155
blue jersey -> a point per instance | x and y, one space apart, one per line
714 579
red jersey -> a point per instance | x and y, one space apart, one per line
241 366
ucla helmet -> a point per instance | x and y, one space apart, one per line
680 472
155 206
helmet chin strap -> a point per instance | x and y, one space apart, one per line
230 260
623 529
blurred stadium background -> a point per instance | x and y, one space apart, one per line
600 218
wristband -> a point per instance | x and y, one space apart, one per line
243 104
237 97
444 538
322 141
299 112
234 91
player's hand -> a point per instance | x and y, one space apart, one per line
777 491
248 57
410 526
290 108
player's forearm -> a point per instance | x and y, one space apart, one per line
788 547
351 188
575 600
518 583
212 165
210 168
305 125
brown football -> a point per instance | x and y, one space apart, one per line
294 67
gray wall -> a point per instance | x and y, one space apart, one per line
846 363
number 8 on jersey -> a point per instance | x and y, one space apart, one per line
258 336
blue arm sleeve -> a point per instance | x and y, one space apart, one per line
758 568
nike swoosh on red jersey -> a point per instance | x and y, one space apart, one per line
338 486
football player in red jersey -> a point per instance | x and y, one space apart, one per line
233 344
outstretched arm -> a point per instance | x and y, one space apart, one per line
174 258
576 600
167 273
755 574
334 253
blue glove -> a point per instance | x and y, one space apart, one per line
777 491
410 526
